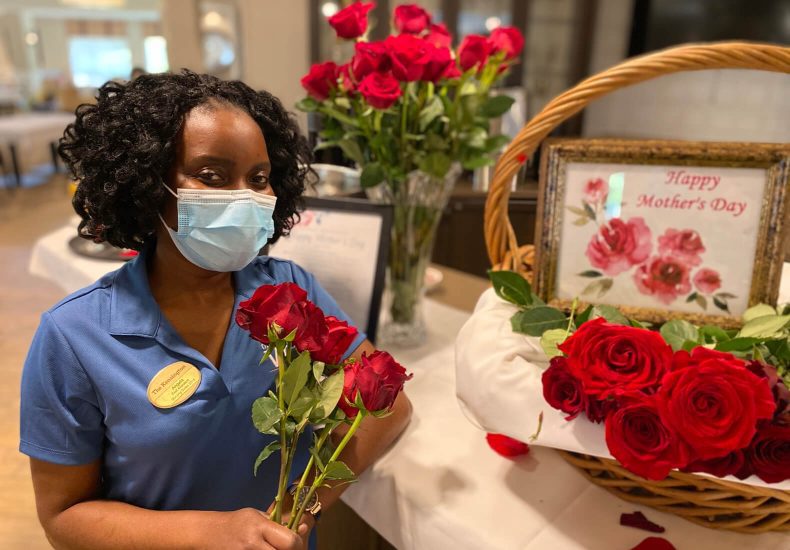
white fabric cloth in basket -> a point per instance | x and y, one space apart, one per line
498 384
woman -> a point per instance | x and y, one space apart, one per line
197 174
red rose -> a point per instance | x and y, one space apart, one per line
409 56
707 280
562 390
664 277
780 392
411 19
369 57
685 244
769 453
508 40
713 402
619 245
321 79
473 51
380 90
339 337
352 21
598 410
596 191
310 325
614 359
638 439
441 61
269 304
506 446
439 36
728 465
377 379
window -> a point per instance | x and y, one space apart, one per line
96 59
155 54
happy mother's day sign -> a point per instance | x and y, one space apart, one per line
660 229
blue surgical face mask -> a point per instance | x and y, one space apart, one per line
222 230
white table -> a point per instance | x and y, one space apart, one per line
30 138
440 486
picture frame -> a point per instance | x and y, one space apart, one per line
662 229
344 242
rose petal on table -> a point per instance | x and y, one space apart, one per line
639 521
654 543
506 446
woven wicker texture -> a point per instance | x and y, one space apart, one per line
703 500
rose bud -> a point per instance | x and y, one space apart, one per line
376 380
352 21
411 19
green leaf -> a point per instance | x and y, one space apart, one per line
599 287
760 310
578 211
266 355
551 339
677 332
436 164
721 304
307 105
433 109
476 138
351 150
338 470
579 222
265 453
302 405
477 162
691 297
589 211
714 333
343 103
496 106
584 316
318 461
767 326
329 394
536 321
469 88
318 369
701 301
372 174
780 349
610 313
590 273
265 413
495 143
726 295
511 287
296 377
737 344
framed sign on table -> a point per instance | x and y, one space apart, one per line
344 242
662 229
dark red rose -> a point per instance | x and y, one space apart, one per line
598 410
352 21
439 36
473 51
665 277
269 304
562 390
638 520
686 245
613 359
769 453
377 379
369 57
380 90
441 61
619 245
780 392
411 19
728 465
713 402
409 55
339 337
321 80
506 446
639 440
508 40
310 325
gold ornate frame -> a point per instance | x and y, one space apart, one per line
767 271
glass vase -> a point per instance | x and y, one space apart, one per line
417 204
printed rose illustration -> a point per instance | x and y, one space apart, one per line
619 245
624 247
665 277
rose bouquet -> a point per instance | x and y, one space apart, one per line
410 111
697 399
314 388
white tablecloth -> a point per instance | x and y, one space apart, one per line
440 486
31 135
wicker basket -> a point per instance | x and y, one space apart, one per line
703 500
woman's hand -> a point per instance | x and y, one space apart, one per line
251 529
306 523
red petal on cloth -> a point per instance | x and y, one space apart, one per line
639 521
654 543
507 446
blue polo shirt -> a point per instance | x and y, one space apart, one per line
84 396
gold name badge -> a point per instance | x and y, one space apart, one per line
173 385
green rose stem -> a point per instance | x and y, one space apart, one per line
318 446
319 481
278 501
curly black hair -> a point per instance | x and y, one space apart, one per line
121 148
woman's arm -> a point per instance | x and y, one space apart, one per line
372 438
74 519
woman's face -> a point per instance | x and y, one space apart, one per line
220 147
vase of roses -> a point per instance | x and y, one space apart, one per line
315 392
412 113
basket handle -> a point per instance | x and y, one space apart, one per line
499 234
